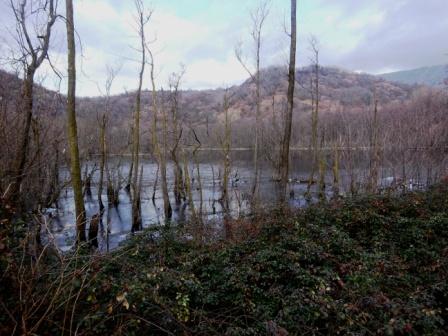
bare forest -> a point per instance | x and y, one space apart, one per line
167 209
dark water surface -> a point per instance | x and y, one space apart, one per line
116 222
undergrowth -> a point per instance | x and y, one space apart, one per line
364 266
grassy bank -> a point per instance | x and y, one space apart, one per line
373 265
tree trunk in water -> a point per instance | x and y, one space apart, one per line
161 157
284 157
136 216
374 151
72 127
322 168
226 146
257 131
166 200
102 162
188 187
336 175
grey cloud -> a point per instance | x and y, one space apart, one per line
412 35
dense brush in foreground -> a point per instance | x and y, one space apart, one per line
368 266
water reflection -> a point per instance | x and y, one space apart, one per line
115 225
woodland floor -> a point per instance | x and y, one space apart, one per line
364 266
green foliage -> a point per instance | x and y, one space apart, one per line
374 265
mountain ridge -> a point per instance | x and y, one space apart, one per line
436 75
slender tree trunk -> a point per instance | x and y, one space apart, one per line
161 157
226 146
322 168
284 157
188 187
256 181
136 216
336 174
72 127
27 110
374 150
32 55
131 167
166 200
102 162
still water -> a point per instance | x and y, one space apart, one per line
116 222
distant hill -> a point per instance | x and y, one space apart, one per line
432 76
339 89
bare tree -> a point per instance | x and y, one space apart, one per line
315 100
226 145
179 192
258 19
102 121
142 19
284 157
374 148
159 153
75 168
34 50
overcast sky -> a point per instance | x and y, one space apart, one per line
372 36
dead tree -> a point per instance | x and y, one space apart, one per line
258 19
142 19
284 157
335 168
93 230
322 167
75 168
226 145
159 153
102 121
179 192
198 219
374 149
315 100
34 51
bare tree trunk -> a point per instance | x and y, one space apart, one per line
33 55
27 109
374 150
226 147
322 167
336 174
103 119
284 157
315 99
131 167
188 187
166 201
72 127
136 216
161 157
258 19
256 182
102 161
154 187
179 192
197 221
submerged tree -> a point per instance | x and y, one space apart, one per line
284 157
160 153
315 100
142 19
179 190
226 145
103 121
75 168
258 19
374 149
